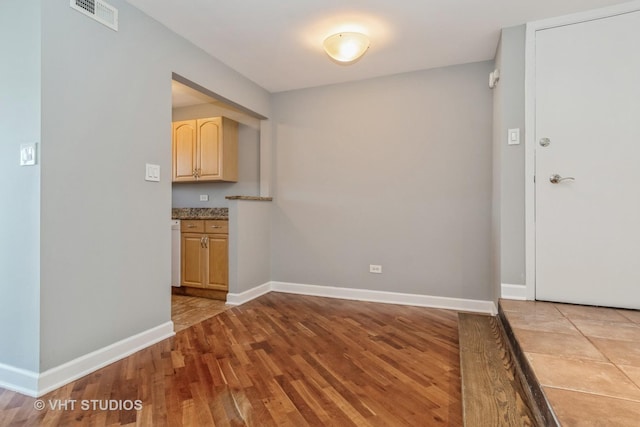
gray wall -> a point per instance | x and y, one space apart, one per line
393 171
19 186
509 113
249 244
106 111
187 195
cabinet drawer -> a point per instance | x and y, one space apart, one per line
192 226
216 226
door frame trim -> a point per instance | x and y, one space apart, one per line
530 120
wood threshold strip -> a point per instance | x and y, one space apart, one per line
525 375
492 395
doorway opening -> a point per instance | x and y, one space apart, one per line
200 258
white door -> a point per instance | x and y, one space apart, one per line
588 108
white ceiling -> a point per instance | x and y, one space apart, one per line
278 44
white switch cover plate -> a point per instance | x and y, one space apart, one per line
377 269
204 197
28 154
513 136
152 173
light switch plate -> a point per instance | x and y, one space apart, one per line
152 173
28 154
513 136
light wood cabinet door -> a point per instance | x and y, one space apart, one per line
218 262
185 150
193 260
210 149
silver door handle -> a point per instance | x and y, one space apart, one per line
555 179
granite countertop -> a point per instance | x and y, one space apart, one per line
211 213
200 213
257 198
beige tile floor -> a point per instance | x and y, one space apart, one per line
586 359
187 311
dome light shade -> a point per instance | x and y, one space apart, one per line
346 48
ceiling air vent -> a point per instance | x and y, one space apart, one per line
100 11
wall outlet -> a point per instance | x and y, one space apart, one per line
204 197
377 269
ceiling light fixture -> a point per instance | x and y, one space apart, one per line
346 48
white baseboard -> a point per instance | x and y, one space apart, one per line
70 371
518 292
20 380
36 385
459 304
246 296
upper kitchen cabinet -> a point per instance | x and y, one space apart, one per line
184 143
205 150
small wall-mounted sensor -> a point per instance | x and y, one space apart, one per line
28 154
494 76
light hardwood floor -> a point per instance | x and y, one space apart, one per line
187 311
280 360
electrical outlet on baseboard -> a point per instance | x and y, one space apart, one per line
376 269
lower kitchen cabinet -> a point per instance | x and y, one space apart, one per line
193 260
205 254
217 247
